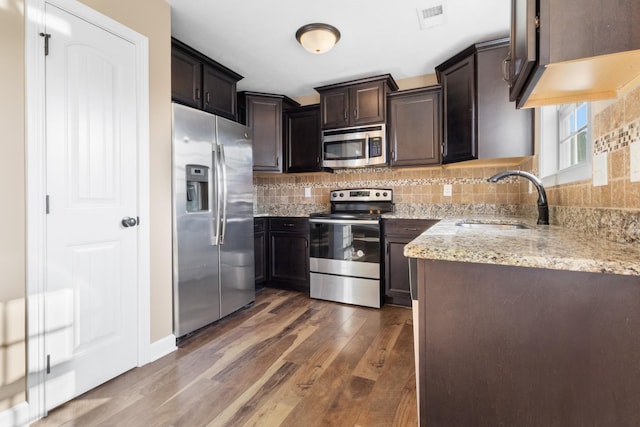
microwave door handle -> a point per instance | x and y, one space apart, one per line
366 149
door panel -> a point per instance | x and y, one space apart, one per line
91 269
236 252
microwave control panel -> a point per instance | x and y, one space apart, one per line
375 146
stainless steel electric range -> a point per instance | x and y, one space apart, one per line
345 252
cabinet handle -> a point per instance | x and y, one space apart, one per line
288 224
505 70
412 229
317 160
197 93
393 155
345 115
208 97
277 161
355 114
306 243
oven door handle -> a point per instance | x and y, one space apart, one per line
344 221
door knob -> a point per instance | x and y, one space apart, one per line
129 222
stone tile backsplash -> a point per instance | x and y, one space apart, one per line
420 187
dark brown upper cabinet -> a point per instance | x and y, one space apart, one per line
478 119
263 113
414 127
200 82
356 102
302 141
572 50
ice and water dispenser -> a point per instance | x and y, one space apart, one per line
197 188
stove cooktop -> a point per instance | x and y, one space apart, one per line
347 215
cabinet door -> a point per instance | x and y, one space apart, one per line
367 103
414 129
219 93
264 116
186 78
289 259
459 105
303 145
396 265
260 250
335 107
503 131
397 233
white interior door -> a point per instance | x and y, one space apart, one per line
91 174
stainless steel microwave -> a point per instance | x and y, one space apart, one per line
354 147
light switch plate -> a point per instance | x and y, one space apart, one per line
634 160
600 170
307 192
447 190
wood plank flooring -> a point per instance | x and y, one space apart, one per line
288 360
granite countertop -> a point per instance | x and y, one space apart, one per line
537 246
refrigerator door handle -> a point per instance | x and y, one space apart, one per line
223 167
214 195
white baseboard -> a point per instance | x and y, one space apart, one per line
16 416
162 347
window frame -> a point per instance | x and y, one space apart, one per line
549 159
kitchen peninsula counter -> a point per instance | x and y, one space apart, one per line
524 324
537 246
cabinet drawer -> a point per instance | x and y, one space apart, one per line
294 225
407 227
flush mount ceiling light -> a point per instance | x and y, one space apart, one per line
318 38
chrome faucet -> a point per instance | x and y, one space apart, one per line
543 207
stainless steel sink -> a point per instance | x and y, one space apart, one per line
492 225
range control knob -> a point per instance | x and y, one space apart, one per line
334 195
377 194
341 194
384 194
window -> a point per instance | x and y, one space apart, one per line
565 143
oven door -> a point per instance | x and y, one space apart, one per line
345 261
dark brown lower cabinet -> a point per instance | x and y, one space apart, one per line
527 347
397 233
289 253
260 249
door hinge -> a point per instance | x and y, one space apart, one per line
48 363
46 36
47 204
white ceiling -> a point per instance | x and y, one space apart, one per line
256 38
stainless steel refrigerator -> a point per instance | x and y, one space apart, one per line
213 261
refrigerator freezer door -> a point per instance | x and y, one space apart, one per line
195 259
236 251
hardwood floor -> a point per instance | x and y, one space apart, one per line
288 360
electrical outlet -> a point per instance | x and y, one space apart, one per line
634 160
447 190
307 192
600 169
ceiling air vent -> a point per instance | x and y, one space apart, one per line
431 15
